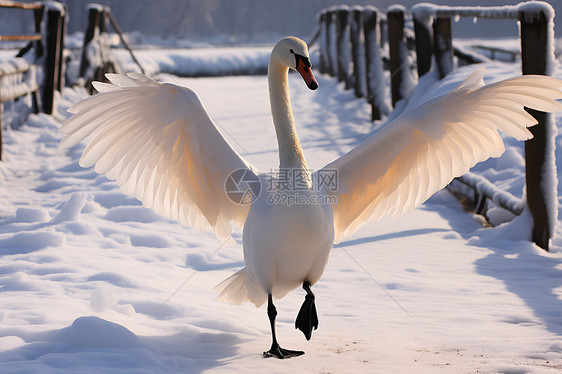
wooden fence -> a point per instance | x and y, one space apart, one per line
343 28
18 77
350 49
537 57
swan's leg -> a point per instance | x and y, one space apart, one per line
307 319
276 350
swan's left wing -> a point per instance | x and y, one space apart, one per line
161 146
422 150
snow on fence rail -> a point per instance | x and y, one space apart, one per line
18 77
495 51
484 189
350 40
17 80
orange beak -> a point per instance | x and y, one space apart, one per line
303 67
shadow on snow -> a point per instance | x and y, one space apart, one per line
94 345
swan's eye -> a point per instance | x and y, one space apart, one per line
290 50
305 61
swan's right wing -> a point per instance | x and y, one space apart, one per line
160 145
422 150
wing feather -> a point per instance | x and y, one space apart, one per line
161 146
422 150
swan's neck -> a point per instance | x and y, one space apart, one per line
291 155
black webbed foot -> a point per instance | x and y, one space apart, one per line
281 353
276 351
307 319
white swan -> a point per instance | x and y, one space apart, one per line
160 145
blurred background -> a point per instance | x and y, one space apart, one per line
235 21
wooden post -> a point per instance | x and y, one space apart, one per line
534 58
323 66
356 49
443 44
54 29
61 63
93 28
424 45
106 66
36 99
343 68
330 68
397 60
373 60
369 19
103 20
38 20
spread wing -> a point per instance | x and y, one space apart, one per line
422 150
161 146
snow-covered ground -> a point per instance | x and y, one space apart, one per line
205 61
92 282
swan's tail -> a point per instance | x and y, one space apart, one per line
233 289
239 288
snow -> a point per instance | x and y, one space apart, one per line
529 10
497 195
398 8
549 173
55 7
97 7
92 282
200 61
424 13
17 77
409 78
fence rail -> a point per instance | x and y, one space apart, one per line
434 42
484 189
494 51
20 38
20 5
17 80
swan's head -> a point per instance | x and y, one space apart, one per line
293 52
